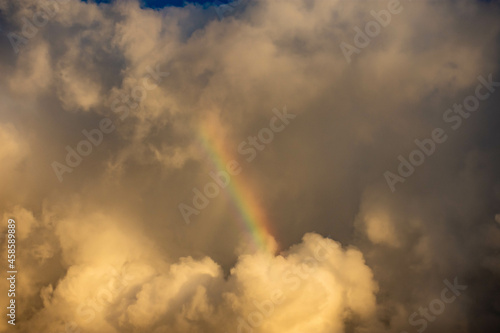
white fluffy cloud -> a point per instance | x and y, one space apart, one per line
128 287
107 250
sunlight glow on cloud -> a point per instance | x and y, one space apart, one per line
139 107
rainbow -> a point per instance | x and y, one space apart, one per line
249 212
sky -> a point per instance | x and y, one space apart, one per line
177 3
252 167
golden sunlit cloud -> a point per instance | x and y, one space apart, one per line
258 166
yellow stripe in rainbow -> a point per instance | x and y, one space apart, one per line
250 213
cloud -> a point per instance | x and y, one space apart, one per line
106 249
320 282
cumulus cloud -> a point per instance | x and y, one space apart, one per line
324 285
180 89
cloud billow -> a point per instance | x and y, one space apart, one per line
107 250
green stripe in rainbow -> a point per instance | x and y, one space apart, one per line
250 213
